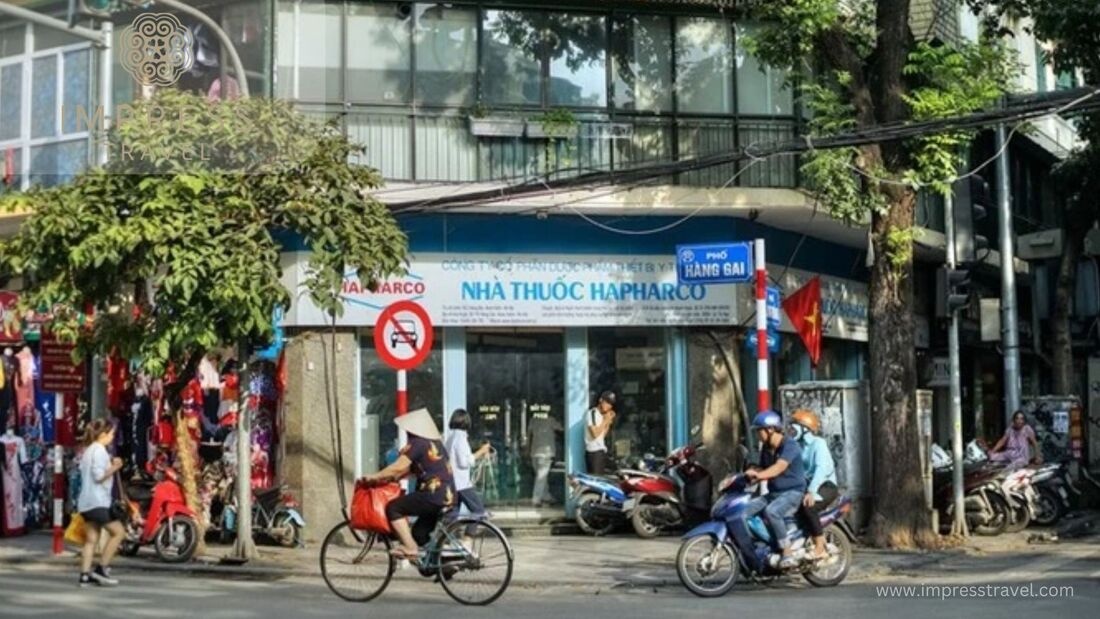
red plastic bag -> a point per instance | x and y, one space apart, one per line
368 506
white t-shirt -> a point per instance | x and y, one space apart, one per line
593 418
93 466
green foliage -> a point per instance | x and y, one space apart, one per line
199 233
951 81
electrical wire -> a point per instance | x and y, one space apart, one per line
666 227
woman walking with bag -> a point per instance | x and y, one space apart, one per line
97 470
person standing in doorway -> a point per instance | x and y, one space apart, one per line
598 421
541 441
97 477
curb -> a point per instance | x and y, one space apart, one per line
260 571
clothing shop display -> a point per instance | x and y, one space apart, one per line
141 420
10 369
11 479
118 375
211 384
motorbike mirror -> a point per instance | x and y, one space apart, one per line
695 430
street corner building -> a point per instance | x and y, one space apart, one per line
541 302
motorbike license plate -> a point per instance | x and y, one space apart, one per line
628 505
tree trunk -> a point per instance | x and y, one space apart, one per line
899 518
1061 353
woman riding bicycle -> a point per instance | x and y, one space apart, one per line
424 456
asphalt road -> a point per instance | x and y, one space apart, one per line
47 591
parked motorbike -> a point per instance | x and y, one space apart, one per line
678 494
1057 494
159 516
716 553
1022 499
987 509
275 516
601 503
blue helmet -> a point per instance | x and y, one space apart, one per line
767 419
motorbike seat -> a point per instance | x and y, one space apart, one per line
262 495
140 493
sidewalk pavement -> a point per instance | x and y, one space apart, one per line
618 561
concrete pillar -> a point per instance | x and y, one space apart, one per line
309 468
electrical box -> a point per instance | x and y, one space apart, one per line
844 409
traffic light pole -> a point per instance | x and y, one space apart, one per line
1010 335
958 526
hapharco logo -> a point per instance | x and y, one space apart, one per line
157 49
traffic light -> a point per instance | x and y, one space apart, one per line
952 291
972 201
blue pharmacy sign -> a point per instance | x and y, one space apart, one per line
774 301
773 341
717 263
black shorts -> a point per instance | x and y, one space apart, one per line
98 516
426 511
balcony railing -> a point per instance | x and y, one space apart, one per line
420 146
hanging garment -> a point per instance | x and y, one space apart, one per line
36 502
24 388
11 478
141 419
46 406
7 391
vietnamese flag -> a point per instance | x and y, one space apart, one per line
804 310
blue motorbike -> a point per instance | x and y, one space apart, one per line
716 553
603 503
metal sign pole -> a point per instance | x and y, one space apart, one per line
763 396
958 526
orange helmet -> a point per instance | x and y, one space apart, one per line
807 419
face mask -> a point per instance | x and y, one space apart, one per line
797 432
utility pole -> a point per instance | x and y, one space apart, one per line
1010 335
958 526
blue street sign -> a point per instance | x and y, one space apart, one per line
773 341
774 301
719 263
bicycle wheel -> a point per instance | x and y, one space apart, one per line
356 565
475 561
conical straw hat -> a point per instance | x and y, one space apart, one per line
420 423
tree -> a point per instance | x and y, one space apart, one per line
175 244
868 70
1072 31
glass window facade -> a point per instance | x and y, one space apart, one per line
577 48
446 54
631 363
409 74
704 62
379 53
44 79
641 53
760 89
378 399
511 67
515 383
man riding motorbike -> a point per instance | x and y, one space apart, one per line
781 466
821 488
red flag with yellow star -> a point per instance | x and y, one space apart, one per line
804 310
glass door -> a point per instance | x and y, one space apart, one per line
516 394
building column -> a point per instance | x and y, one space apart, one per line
454 371
576 397
678 416
309 469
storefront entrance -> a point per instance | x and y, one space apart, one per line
516 396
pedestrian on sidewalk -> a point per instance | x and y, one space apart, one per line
97 474
463 459
598 422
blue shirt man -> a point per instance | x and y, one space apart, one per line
781 466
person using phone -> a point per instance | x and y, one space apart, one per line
599 420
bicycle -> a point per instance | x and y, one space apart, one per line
463 552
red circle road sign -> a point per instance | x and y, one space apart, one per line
403 335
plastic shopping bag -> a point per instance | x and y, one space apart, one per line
368 506
74 533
